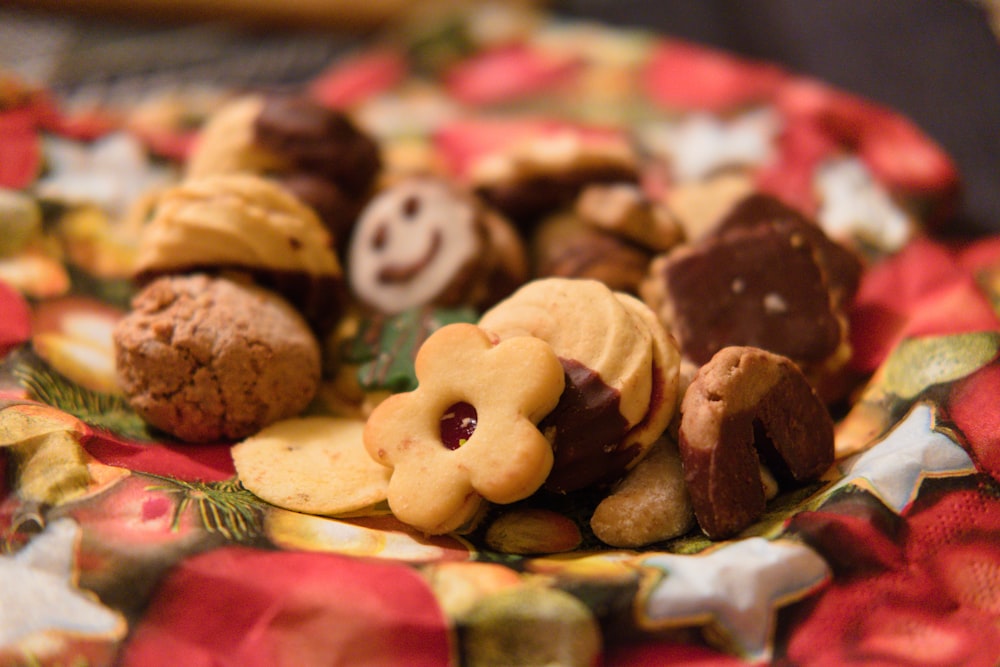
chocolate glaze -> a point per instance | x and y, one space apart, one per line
319 140
842 267
589 431
337 211
759 286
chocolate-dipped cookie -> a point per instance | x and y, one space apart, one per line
424 241
748 408
564 246
248 224
318 153
621 374
761 285
841 266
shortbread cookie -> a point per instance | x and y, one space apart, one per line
621 374
468 433
423 241
245 223
747 408
315 465
208 359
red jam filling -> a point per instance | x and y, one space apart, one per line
458 423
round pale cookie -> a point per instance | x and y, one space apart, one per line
423 241
314 465
747 407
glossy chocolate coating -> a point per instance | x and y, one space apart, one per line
319 140
841 266
758 286
589 430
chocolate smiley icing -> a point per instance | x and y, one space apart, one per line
424 241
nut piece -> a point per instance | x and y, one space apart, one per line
649 505
744 408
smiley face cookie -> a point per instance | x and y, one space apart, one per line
468 433
621 374
423 241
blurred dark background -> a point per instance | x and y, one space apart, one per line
936 61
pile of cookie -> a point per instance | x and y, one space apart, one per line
674 353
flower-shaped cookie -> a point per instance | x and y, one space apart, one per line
468 431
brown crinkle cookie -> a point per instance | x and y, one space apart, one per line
745 409
208 359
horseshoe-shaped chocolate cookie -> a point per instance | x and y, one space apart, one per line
746 408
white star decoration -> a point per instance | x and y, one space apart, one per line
38 592
895 467
734 590
854 204
703 142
